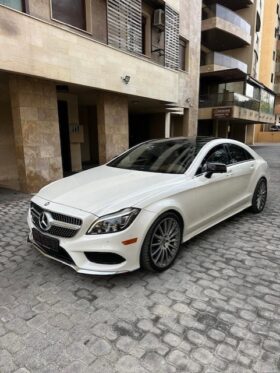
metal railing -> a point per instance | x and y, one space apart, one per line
217 10
221 59
228 99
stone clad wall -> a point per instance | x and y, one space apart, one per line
189 81
112 113
36 132
36 48
8 165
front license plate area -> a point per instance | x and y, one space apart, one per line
44 241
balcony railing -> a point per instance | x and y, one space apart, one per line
217 10
228 62
231 4
229 99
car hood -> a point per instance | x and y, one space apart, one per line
105 189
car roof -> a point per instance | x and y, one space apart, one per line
199 141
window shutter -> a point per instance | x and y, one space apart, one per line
171 38
125 24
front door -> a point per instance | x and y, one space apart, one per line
209 199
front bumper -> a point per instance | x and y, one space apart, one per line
77 246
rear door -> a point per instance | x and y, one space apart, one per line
241 169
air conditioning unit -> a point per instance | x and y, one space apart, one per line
159 19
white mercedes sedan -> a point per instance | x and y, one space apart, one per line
138 209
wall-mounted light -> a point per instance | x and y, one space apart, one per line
126 79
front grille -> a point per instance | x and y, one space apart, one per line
62 225
50 246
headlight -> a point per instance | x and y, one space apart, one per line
115 222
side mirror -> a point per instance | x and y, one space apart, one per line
214 168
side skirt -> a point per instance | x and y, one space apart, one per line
212 224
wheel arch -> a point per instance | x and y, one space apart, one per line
166 206
144 256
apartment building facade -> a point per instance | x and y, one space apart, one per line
81 81
269 65
232 97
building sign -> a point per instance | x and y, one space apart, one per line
222 113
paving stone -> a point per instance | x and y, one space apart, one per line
217 335
183 363
195 337
226 352
101 347
6 362
75 367
250 349
128 364
203 356
125 344
151 342
101 365
156 363
172 339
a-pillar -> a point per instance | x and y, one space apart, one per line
36 131
113 129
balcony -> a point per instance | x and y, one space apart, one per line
223 29
228 99
218 62
240 107
231 4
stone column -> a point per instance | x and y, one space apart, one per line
113 130
36 131
189 125
250 134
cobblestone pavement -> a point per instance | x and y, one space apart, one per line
216 310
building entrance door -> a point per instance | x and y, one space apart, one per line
64 137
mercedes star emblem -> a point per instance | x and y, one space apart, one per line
45 221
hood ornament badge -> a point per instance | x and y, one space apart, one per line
45 221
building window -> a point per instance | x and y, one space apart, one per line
184 55
274 55
272 78
70 12
15 4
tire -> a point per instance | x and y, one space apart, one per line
162 243
259 197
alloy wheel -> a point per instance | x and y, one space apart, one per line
261 196
165 242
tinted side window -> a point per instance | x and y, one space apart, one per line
218 154
238 154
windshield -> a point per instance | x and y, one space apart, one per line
162 156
